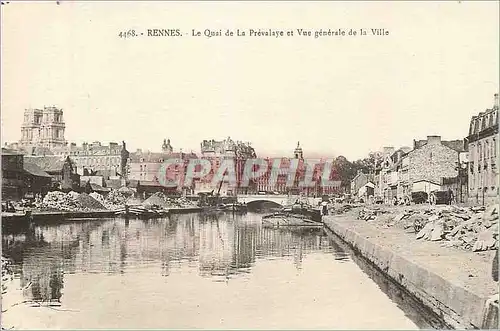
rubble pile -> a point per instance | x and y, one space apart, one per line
58 201
86 202
98 197
340 209
370 214
157 199
7 273
71 201
161 200
180 203
474 228
116 199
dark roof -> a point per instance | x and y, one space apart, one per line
156 157
46 163
457 145
114 183
149 183
41 151
99 188
105 173
426 180
8 151
35 170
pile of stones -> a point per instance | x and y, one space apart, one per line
370 214
474 228
72 201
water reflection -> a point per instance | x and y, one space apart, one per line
220 247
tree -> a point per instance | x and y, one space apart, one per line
370 164
344 171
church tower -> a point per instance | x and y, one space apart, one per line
43 127
298 152
166 147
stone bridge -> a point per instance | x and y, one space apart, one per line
282 200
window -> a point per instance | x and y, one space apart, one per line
486 149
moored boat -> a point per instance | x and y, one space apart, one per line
141 211
233 207
287 219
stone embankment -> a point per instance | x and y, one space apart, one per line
442 256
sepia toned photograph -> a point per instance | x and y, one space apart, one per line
261 165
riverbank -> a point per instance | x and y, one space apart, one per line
456 284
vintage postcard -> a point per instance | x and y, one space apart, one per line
249 165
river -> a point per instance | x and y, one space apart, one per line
214 271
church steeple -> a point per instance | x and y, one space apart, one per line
298 151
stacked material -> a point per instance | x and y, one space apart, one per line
370 214
473 228
98 197
157 199
116 199
180 203
340 209
86 202
59 201
7 274
71 201
161 200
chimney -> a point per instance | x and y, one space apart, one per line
495 105
433 140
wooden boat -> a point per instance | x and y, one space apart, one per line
287 219
233 207
141 212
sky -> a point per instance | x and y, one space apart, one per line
348 96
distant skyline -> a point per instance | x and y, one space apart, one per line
336 95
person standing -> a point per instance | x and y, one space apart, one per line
324 208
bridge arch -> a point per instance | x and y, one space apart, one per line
263 204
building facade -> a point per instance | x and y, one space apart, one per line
145 166
43 128
482 145
432 164
360 180
63 170
430 161
278 183
391 174
105 160
216 151
12 175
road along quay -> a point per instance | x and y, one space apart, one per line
454 284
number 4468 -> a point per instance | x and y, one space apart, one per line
127 34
